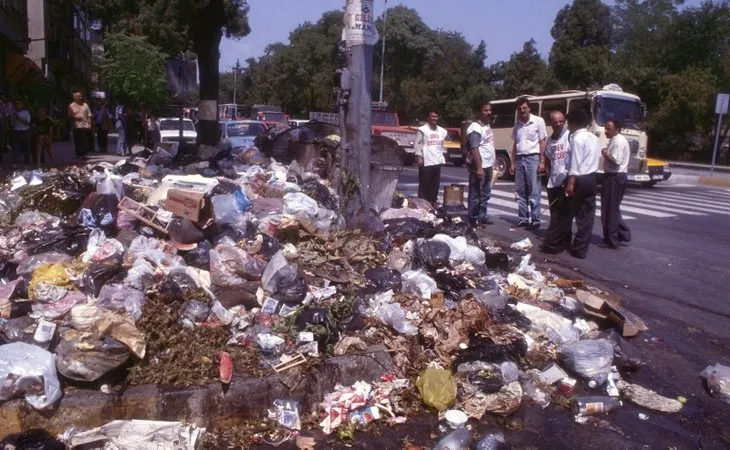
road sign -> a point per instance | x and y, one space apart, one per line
723 101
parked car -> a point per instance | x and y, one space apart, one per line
240 133
170 130
297 122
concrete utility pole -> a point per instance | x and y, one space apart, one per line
360 37
382 51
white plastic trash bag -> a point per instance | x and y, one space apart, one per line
417 282
24 365
718 381
390 313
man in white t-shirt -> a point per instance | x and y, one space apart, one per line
615 165
430 157
479 160
20 136
557 153
528 160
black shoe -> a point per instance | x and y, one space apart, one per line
486 221
551 251
575 254
522 224
534 226
608 245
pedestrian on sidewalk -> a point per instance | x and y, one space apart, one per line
580 187
120 123
557 152
479 162
153 131
21 133
430 157
528 160
80 114
102 121
44 138
615 166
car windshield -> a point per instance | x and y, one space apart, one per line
274 117
628 113
384 118
244 129
174 125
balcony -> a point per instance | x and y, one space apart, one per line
14 23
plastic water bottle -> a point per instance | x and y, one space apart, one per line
459 439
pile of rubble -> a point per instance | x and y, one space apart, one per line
182 270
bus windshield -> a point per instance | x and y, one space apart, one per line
628 113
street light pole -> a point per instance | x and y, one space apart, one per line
236 68
382 51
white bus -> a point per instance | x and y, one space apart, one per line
609 103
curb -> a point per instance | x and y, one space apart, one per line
711 181
244 400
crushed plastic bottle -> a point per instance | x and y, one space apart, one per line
459 439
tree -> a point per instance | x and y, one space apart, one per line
580 55
133 69
177 26
525 73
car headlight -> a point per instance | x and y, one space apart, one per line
411 143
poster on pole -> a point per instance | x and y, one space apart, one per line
360 23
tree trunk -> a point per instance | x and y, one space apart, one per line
207 47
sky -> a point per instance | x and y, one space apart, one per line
503 24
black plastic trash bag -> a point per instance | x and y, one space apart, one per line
34 439
320 193
178 287
70 240
183 231
88 358
100 273
485 349
199 257
282 280
99 211
510 316
433 255
381 279
450 284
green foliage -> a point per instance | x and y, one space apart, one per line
133 69
526 73
580 55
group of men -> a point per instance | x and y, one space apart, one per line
18 128
570 159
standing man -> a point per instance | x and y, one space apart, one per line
80 115
479 161
6 112
120 123
557 153
528 159
102 120
430 157
615 166
20 137
580 187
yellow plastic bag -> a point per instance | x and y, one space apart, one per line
52 275
437 388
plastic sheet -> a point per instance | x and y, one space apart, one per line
282 279
30 264
26 369
437 388
389 313
417 282
718 381
228 208
84 357
591 359
119 297
459 439
108 183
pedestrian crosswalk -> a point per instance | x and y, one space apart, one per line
654 203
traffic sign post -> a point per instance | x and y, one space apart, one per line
721 108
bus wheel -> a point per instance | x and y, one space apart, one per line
501 167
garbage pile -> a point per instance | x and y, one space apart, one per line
183 270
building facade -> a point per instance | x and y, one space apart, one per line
46 53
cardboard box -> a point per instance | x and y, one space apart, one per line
193 206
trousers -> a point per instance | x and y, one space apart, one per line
429 181
583 209
559 233
615 230
480 191
527 186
